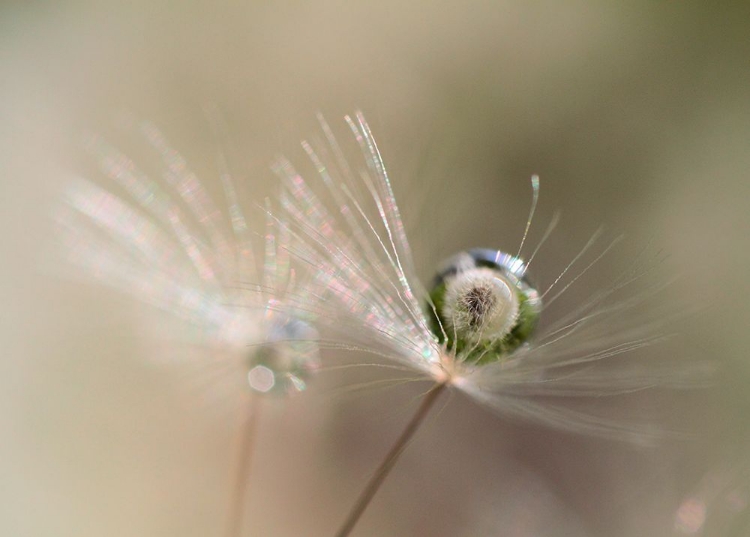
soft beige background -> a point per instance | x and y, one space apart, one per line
636 115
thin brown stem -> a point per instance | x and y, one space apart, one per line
389 462
244 466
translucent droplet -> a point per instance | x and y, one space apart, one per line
285 363
485 308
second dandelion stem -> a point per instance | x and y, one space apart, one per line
242 476
389 462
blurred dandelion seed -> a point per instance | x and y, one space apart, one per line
473 330
167 244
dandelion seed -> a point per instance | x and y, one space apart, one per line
167 245
474 331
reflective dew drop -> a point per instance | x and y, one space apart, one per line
484 306
285 363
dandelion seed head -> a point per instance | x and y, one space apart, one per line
475 327
157 235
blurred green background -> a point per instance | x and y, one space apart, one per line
635 114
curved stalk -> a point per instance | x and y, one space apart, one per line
244 467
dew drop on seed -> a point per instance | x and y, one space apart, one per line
484 305
286 362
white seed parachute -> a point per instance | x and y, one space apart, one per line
165 242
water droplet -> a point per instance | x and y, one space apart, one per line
485 307
285 363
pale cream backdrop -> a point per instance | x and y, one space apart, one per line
635 114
